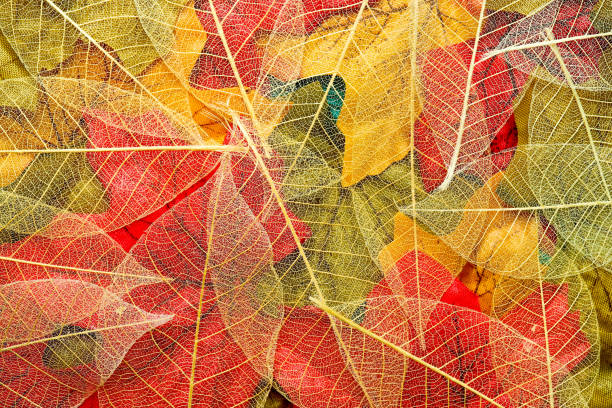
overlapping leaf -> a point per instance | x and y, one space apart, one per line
61 339
355 151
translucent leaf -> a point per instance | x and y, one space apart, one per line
598 282
62 339
117 24
485 361
75 132
572 198
217 246
349 220
71 248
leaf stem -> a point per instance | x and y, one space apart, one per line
211 147
262 166
495 53
232 62
154 279
505 209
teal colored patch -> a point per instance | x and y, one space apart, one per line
335 97
359 313
544 258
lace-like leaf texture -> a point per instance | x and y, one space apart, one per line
380 203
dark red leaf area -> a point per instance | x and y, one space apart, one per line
91 402
128 235
254 189
310 368
506 138
222 373
581 57
173 303
73 258
500 151
458 340
490 128
429 156
241 22
175 246
455 336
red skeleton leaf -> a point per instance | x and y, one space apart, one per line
240 24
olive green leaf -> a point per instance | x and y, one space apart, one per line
117 24
599 282
349 225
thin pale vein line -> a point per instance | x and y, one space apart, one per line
464 110
101 329
106 53
493 54
587 126
531 208
73 268
214 148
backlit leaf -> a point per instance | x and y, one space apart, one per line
307 203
